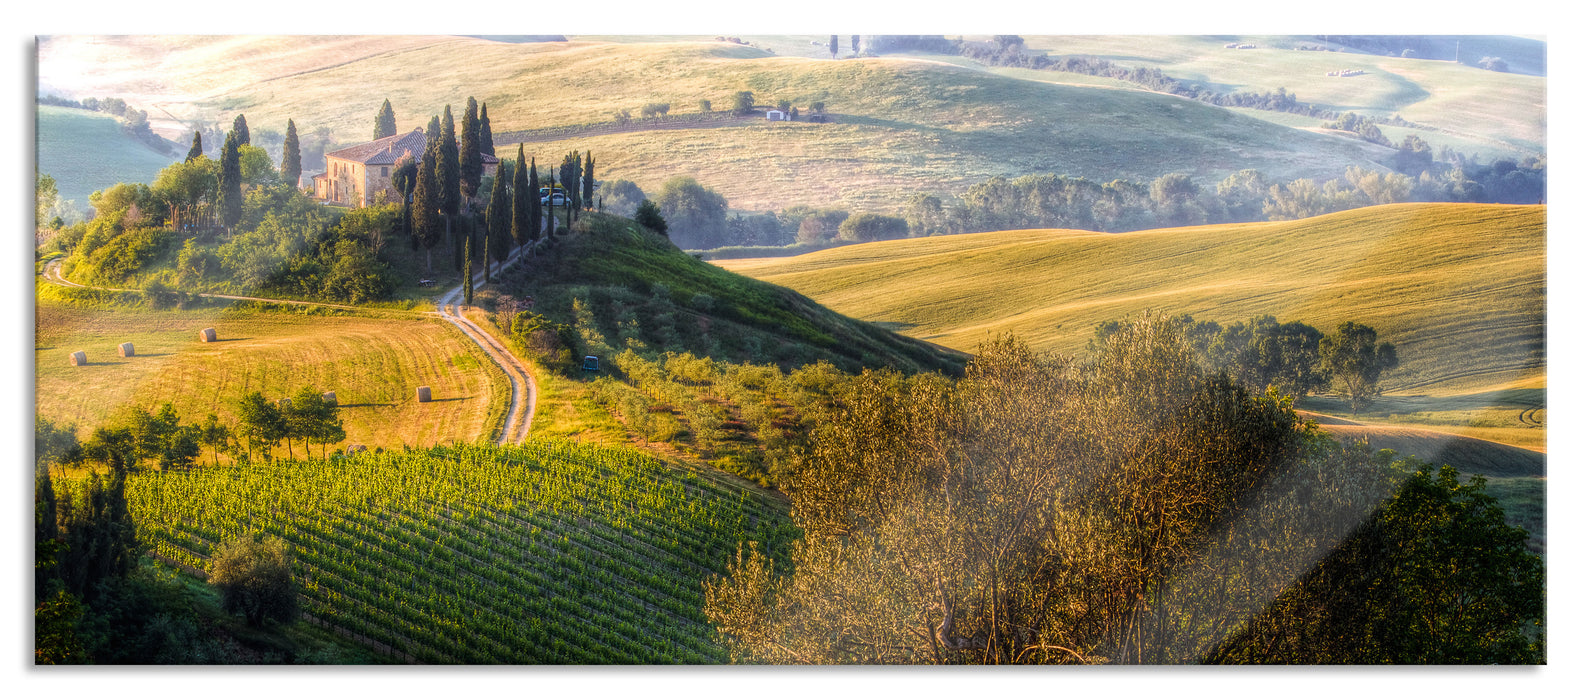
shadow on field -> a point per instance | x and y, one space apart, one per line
459 398
365 405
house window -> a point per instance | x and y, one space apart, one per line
385 171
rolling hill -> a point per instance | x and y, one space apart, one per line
1458 288
901 123
87 151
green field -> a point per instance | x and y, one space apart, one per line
87 151
1458 288
549 553
374 364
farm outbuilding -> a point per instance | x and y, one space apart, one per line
775 115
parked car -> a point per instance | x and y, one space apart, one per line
555 200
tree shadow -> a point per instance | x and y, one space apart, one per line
458 398
365 405
894 326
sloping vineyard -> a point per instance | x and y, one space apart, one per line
548 553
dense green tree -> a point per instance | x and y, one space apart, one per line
695 214
864 227
257 169
385 121
239 125
291 157
650 217
587 183
253 575
471 151
197 147
485 132
1353 359
230 181
310 418
743 104
621 197
216 436
259 424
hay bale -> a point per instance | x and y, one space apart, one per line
126 350
283 404
354 449
79 358
423 394
329 398
207 335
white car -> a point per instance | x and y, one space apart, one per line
555 200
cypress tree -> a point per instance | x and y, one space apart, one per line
425 225
466 276
384 123
230 185
240 127
471 151
485 135
291 156
535 206
521 189
197 147
500 220
587 184
449 167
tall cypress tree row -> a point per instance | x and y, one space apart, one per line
230 185
240 127
384 123
471 156
485 135
197 147
291 156
521 189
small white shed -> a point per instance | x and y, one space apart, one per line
775 115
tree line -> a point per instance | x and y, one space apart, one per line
1130 507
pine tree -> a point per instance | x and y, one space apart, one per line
384 123
485 134
471 151
230 185
240 127
521 189
197 147
291 156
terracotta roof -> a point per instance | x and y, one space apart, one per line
385 151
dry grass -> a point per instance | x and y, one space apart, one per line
373 364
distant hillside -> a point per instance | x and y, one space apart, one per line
1460 289
87 151
622 286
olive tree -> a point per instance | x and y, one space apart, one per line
253 575
1354 359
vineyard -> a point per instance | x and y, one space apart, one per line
547 553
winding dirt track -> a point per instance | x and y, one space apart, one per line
524 392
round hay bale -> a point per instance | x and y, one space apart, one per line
79 358
283 404
354 449
423 394
126 350
329 398
207 335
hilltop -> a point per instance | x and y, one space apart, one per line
87 151
1458 288
622 286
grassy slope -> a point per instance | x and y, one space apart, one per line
612 258
1458 288
373 364
87 151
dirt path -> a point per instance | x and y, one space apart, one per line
524 392
1467 454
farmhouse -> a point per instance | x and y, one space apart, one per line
354 176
